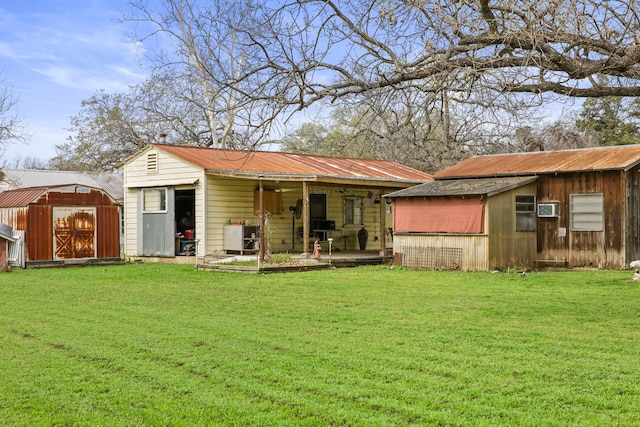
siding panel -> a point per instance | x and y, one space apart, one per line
471 251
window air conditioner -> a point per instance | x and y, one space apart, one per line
548 210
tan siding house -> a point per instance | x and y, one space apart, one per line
304 198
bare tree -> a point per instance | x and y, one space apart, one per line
336 49
206 50
11 126
560 135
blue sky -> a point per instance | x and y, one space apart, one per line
56 53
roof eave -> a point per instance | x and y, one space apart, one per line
329 179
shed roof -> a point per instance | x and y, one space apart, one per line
463 187
112 183
22 197
280 165
622 157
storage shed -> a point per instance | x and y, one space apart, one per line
467 224
587 201
63 224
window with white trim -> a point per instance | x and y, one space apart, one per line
587 212
525 213
352 211
154 200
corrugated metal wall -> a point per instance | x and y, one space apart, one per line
36 220
108 230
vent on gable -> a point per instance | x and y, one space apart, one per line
152 163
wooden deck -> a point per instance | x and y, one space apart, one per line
338 259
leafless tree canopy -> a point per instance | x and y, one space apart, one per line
11 126
331 49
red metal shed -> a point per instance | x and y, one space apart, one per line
64 224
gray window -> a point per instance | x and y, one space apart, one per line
353 211
587 212
154 200
525 213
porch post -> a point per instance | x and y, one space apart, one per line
305 219
383 228
261 214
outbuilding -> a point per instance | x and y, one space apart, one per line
586 205
63 224
467 224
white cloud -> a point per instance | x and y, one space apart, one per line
56 53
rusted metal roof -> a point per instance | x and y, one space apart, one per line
20 197
463 187
65 194
621 157
274 164
112 183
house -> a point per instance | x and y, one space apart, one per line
182 200
64 224
585 202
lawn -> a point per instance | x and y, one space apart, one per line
167 345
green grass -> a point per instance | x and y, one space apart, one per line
168 345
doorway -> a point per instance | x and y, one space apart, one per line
317 213
185 207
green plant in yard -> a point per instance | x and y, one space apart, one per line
167 345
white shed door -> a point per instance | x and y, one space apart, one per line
74 233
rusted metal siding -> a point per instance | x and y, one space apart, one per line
39 234
15 217
4 248
442 251
601 249
108 231
75 197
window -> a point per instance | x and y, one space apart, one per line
525 213
353 211
587 212
154 200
